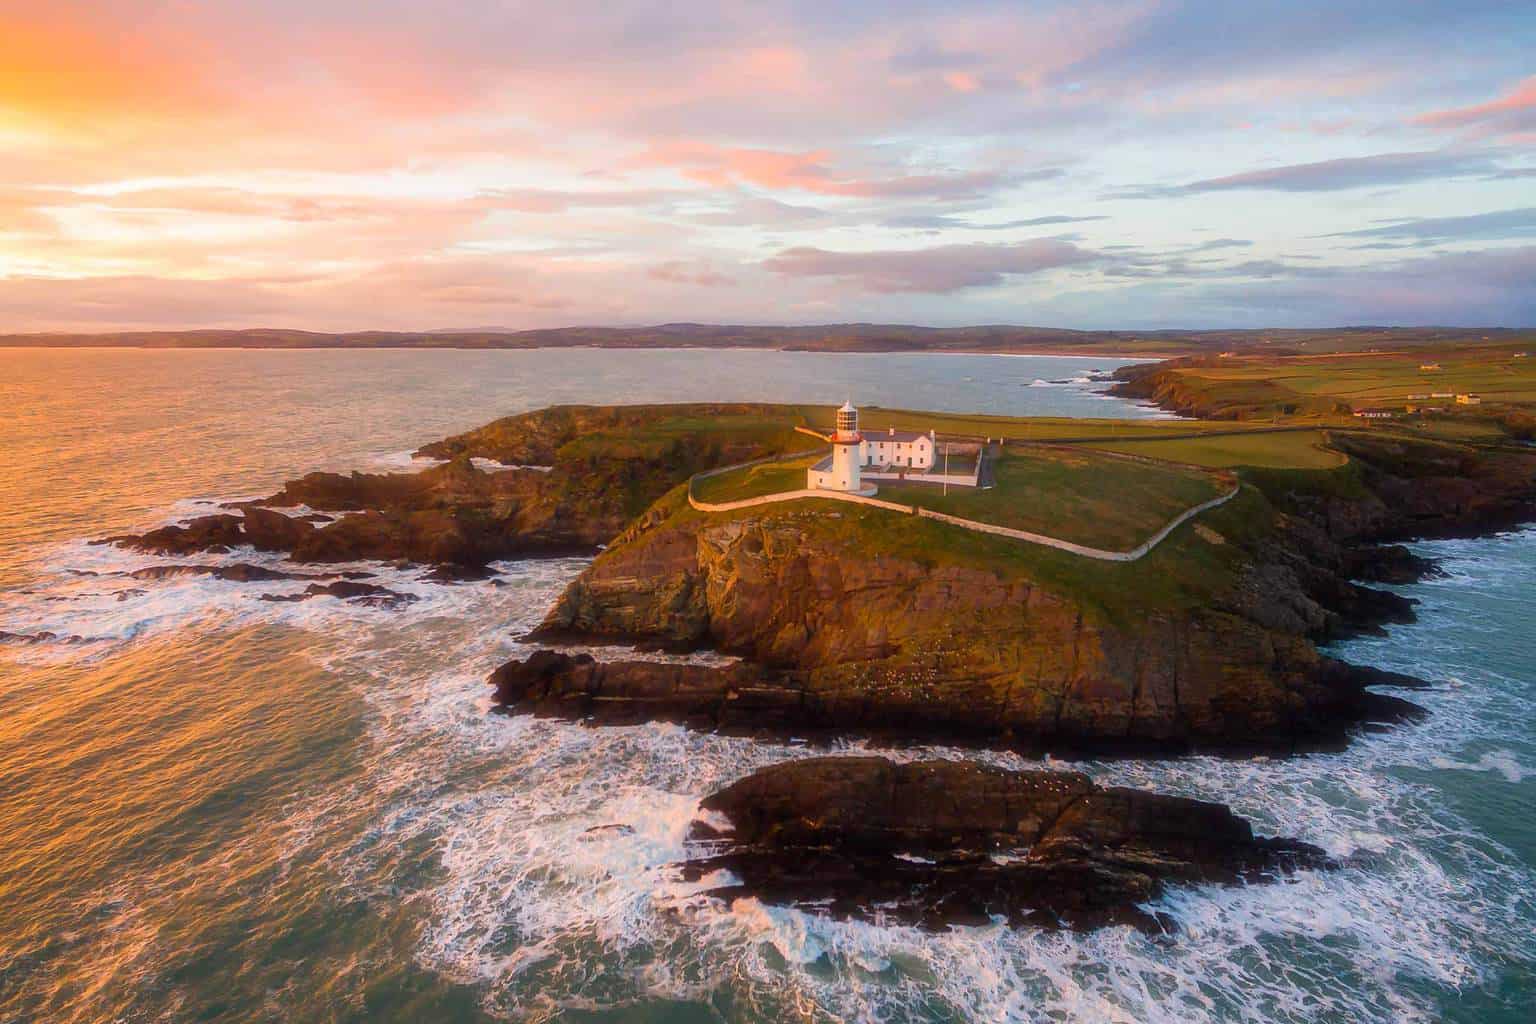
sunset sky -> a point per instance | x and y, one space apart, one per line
409 165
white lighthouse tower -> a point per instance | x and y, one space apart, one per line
846 455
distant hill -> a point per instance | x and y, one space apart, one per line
823 338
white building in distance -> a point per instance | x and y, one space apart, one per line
883 453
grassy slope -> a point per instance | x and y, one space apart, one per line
1074 495
1388 379
1187 571
753 481
1083 498
1032 428
1299 449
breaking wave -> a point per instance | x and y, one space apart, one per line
552 845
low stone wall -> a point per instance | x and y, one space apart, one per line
770 499
967 524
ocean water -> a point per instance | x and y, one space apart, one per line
215 808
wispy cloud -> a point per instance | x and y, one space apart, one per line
729 167
1495 224
938 270
939 221
525 163
1338 174
680 272
1513 113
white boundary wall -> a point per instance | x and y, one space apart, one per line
953 479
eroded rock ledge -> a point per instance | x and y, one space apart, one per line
935 843
572 478
748 699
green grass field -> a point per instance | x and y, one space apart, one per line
1079 496
1364 379
1031 428
754 481
1185 571
1301 449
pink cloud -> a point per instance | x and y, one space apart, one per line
807 171
680 272
1512 113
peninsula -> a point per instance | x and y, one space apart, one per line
1116 586
1061 586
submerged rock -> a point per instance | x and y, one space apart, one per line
42 637
936 843
240 572
357 593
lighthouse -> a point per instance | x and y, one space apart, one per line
846 454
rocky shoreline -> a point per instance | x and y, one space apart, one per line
870 624
895 646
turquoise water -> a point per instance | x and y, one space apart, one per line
217 808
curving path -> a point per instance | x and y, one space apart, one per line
968 524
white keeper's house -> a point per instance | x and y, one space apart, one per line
883 454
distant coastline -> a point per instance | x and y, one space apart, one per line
847 338
1010 353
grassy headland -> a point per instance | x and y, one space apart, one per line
1485 392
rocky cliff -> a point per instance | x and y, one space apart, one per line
872 621
1192 395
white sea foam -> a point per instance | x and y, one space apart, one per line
556 844
403 461
563 857
93 606
561 865
409 461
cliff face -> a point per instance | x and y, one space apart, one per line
1189 395
891 640
892 644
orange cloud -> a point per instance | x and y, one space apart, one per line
52 69
807 171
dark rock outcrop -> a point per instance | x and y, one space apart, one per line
604 466
239 572
937 843
747 699
41 637
216 533
357 593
